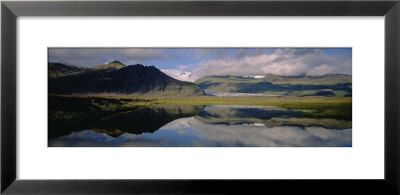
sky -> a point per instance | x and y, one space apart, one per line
199 62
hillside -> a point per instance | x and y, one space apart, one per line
56 70
327 85
114 65
133 79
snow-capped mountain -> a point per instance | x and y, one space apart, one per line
179 74
255 76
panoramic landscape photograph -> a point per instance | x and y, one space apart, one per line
199 97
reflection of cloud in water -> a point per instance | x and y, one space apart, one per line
191 132
262 136
90 138
244 106
255 124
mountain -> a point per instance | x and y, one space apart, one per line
115 65
329 79
114 79
58 70
327 85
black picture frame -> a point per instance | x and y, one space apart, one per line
10 10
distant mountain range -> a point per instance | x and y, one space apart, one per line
327 85
117 78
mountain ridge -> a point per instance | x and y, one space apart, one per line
132 79
325 85
117 78
111 65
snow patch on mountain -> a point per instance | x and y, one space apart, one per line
179 75
255 77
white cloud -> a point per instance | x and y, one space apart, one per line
214 61
290 62
182 67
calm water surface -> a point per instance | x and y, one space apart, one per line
204 126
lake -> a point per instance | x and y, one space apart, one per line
172 125
232 94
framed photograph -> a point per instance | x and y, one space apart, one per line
193 97
200 97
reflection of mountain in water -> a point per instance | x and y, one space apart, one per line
269 116
150 119
190 125
190 132
146 119
231 115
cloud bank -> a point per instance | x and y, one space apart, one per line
195 63
290 62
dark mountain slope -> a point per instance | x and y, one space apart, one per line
133 79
